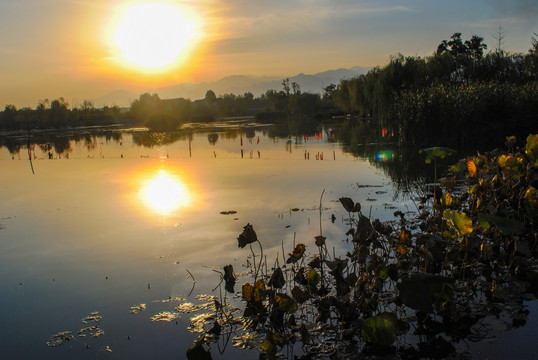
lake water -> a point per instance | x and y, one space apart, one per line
119 219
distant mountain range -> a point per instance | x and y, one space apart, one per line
235 84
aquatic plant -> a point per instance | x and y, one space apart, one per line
416 287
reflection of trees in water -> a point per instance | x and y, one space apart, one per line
150 139
405 166
213 138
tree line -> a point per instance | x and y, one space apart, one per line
459 94
459 86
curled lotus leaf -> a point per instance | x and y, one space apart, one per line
458 220
347 203
320 240
277 279
297 253
248 236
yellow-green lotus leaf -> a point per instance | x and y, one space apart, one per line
531 149
459 221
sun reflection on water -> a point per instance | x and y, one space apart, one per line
165 193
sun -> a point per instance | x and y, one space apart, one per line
155 35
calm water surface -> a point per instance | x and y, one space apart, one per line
110 222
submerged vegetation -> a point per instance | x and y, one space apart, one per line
418 286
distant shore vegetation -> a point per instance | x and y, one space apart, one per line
459 94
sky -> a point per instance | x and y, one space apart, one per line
71 49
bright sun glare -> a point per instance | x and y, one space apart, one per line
156 35
165 193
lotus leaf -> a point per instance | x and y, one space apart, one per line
254 293
298 252
197 352
380 329
313 278
277 279
459 221
286 303
229 278
531 148
298 294
471 168
437 152
320 240
248 236
446 200
422 291
506 225
347 203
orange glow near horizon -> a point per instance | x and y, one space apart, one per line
154 39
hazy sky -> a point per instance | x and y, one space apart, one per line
66 48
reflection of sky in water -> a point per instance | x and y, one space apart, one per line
165 193
91 232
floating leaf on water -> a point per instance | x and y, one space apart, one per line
380 329
229 278
199 321
297 253
249 340
459 221
137 308
277 279
286 303
506 225
93 317
248 236
166 316
60 338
